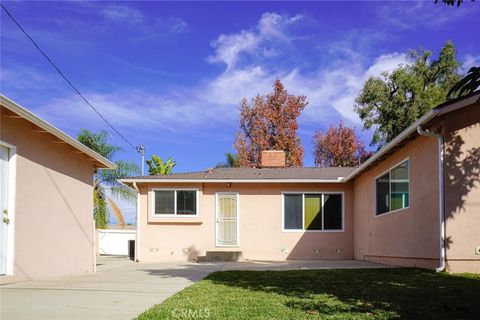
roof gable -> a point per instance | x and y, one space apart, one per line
29 116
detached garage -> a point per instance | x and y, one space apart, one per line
46 203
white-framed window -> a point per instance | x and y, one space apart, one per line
392 189
313 211
175 202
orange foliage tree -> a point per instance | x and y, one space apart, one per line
270 123
339 147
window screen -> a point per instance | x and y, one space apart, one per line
293 211
399 186
165 202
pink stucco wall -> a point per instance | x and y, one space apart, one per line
410 236
462 192
261 235
53 206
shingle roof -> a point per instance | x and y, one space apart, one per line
301 173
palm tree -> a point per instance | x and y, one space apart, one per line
231 161
104 179
156 166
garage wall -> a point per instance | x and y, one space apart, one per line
54 231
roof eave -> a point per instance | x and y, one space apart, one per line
102 162
460 103
402 136
126 181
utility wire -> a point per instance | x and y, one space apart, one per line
66 79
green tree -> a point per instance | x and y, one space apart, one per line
392 102
156 166
231 161
104 179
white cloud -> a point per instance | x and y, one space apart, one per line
178 25
470 61
121 13
386 62
272 26
229 47
214 102
411 15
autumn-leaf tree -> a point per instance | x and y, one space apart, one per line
270 123
339 146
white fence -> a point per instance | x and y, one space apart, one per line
114 242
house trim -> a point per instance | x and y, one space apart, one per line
12 182
153 180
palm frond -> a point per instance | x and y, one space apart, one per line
124 169
117 212
123 192
98 142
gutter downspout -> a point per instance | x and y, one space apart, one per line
137 233
441 195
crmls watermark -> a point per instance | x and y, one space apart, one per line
191 313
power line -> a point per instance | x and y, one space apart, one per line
65 78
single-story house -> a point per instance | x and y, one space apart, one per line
416 202
46 203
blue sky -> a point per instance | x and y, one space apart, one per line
171 75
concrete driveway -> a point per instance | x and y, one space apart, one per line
122 289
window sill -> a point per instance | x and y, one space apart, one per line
391 212
312 231
174 220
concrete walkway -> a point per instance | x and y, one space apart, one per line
122 289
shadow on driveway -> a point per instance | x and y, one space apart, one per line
122 289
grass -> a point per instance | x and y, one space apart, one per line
325 294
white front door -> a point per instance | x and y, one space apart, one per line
227 219
4 156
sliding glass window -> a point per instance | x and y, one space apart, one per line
313 211
392 189
175 202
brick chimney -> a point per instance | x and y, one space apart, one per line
273 159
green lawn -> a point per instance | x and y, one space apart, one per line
325 294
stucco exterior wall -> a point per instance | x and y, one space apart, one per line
407 237
54 231
462 191
260 232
